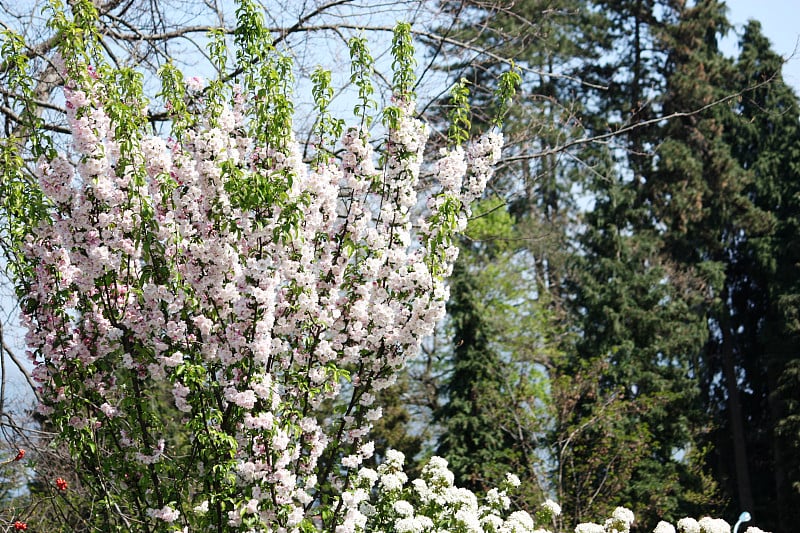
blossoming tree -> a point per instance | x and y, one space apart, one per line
268 297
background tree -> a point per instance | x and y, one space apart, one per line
762 131
699 193
495 406
507 313
605 299
670 208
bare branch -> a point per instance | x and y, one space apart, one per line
18 362
632 126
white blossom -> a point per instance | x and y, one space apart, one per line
589 527
167 514
664 527
714 525
688 525
552 508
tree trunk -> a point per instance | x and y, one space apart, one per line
735 415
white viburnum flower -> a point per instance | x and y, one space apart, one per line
519 521
390 482
664 527
416 524
623 515
395 459
497 499
403 508
714 525
688 525
469 520
589 527
368 475
491 522
551 507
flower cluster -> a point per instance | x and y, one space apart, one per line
383 500
705 525
268 299
622 519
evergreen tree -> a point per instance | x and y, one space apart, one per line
394 429
762 275
699 194
641 301
477 452
494 413
696 242
630 435
682 290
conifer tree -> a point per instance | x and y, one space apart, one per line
495 411
477 451
628 384
700 195
762 275
641 305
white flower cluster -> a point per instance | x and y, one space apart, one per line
704 525
664 527
167 514
432 503
620 521
590 527
714 525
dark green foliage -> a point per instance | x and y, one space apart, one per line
716 208
393 430
478 451
638 305
762 273
628 436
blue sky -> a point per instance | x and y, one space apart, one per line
779 21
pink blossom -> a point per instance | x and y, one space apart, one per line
195 83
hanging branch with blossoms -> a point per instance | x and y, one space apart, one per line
210 317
